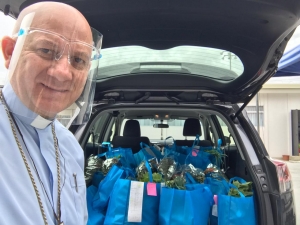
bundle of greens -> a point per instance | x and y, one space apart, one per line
245 189
108 163
142 171
178 183
167 167
216 154
157 178
196 173
94 164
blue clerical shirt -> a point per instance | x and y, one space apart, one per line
18 201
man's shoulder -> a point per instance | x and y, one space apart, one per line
64 135
62 129
67 141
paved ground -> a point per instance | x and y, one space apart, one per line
294 168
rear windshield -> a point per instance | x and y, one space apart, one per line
174 130
209 62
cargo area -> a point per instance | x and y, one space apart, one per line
187 149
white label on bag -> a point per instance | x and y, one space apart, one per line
214 210
135 207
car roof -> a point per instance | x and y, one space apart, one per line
256 31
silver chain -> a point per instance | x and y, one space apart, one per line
28 167
58 171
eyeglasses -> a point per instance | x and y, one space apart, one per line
51 46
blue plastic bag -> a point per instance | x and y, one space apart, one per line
178 154
188 207
95 217
194 155
191 184
217 187
147 153
117 211
151 150
125 154
174 147
100 200
234 210
97 178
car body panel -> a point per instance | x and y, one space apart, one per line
256 31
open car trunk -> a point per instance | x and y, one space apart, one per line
242 155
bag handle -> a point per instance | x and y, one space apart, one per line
205 188
196 141
106 145
128 172
170 138
190 178
149 171
241 180
231 185
219 143
144 145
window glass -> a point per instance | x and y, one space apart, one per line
113 130
252 114
97 128
195 60
225 130
175 129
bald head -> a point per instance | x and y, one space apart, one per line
48 67
54 16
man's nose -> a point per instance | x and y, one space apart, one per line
61 69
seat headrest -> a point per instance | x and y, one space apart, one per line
191 127
132 129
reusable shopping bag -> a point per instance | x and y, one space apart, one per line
236 210
197 156
100 200
174 147
125 155
217 186
188 207
179 154
147 152
95 217
134 202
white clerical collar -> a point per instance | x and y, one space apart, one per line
40 122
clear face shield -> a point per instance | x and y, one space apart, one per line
55 68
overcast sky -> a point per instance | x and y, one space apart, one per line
7 23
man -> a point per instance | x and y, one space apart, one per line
51 59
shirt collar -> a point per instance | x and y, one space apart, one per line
21 111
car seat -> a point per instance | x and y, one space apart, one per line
131 137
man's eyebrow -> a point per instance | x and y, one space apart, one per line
43 40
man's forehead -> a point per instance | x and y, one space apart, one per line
71 27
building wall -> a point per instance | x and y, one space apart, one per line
276 132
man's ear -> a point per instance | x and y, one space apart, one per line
7 45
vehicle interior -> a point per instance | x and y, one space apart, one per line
128 127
